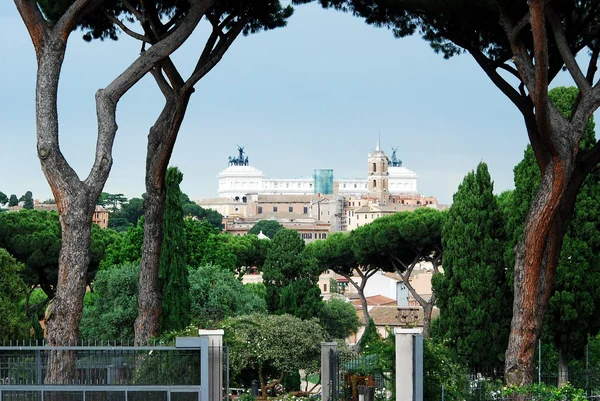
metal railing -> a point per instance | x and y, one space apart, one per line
101 373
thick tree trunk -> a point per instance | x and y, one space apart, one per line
62 321
161 141
535 264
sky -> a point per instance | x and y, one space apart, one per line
315 94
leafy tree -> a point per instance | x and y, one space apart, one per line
49 201
13 323
473 293
273 346
34 238
268 228
285 263
575 301
301 298
28 200
110 311
127 247
197 234
532 41
216 294
173 274
339 319
3 198
191 209
112 202
13 201
442 369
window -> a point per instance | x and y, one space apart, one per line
275 209
354 185
374 183
324 235
291 209
287 184
324 287
259 210
344 185
305 209
374 167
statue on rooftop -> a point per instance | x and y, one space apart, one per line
240 160
395 162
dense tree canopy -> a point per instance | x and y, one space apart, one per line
13 201
268 228
216 294
173 273
286 265
339 319
3 198
13 323
33 237
110 311
473 293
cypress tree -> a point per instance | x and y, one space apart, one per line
473 293
173 271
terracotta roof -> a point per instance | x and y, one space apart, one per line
397 317
375 300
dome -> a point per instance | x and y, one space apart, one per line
241 171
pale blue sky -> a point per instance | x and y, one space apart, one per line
312 95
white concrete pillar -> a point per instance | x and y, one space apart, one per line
211 365
409 371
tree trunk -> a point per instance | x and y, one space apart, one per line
161 140
63 319
427 310
536 258
563 368
365 308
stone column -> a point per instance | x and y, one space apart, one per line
409 364
211 364
326 348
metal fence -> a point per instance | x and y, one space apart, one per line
350 371
104 372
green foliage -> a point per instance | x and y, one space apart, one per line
301 298
27 200
442 369
3 198
339 319
273 345
126 248
123 213
13 201
213 217
13 322
286 262
112 202
543 392
216 294
473 293
173 272
110 312
369 336
33 237
197 234
268 228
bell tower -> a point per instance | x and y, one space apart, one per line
378 175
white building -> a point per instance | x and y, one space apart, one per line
240 179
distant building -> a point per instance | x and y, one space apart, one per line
100 216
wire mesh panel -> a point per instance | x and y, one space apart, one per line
102 373
354 370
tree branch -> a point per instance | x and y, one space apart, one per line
565 52
124 28
162 83
69 20
34 22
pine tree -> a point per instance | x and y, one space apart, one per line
173 272
473 293
28 200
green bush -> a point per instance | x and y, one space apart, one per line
543 392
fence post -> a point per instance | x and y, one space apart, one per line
409 364
211 365
326 349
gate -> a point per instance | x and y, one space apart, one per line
347 372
